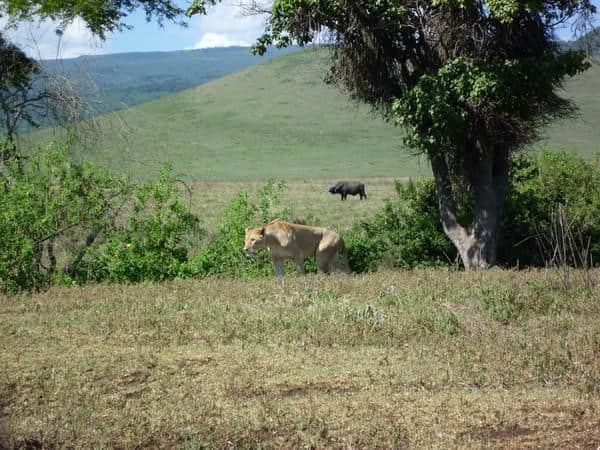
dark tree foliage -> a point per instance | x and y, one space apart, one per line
471 81
16 71
100 16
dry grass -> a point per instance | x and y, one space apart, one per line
427 358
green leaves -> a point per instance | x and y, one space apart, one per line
199 7
100 16
442 109
48 200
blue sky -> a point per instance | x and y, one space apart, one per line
223 26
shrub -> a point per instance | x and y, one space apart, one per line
64 221
48 203
538 188
153 243
407 232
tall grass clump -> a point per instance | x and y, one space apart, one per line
407 232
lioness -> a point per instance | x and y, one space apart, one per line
294 241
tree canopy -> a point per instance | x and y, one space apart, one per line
99 16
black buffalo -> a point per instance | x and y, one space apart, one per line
348 187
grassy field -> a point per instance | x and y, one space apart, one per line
308 200
581 134
278 119
419 359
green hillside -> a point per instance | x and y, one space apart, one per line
278 119
582 133
116 81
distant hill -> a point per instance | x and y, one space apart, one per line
589 42
278 119
117 81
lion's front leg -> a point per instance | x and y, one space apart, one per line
279 267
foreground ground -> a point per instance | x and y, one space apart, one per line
426 358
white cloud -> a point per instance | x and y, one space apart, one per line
39 39
225 26
210 40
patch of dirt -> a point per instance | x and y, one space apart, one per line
191 366
136 393
542 435
31 444
135 377
290 390
493 433
247 389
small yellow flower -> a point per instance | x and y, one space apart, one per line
129 245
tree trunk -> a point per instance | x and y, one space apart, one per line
477 242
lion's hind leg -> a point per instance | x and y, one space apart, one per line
326 254
324 260
299 260
338 257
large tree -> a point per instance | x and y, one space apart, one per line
471 81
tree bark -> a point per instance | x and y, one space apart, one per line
477 242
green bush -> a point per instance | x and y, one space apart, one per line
64 221
407 232
153 243
538 187
49 204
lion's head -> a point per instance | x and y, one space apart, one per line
255 240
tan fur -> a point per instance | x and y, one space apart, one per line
286 240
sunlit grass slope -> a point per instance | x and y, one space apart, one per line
276 119
582 133
279 119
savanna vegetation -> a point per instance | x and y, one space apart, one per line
471 82
278 119
130 317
